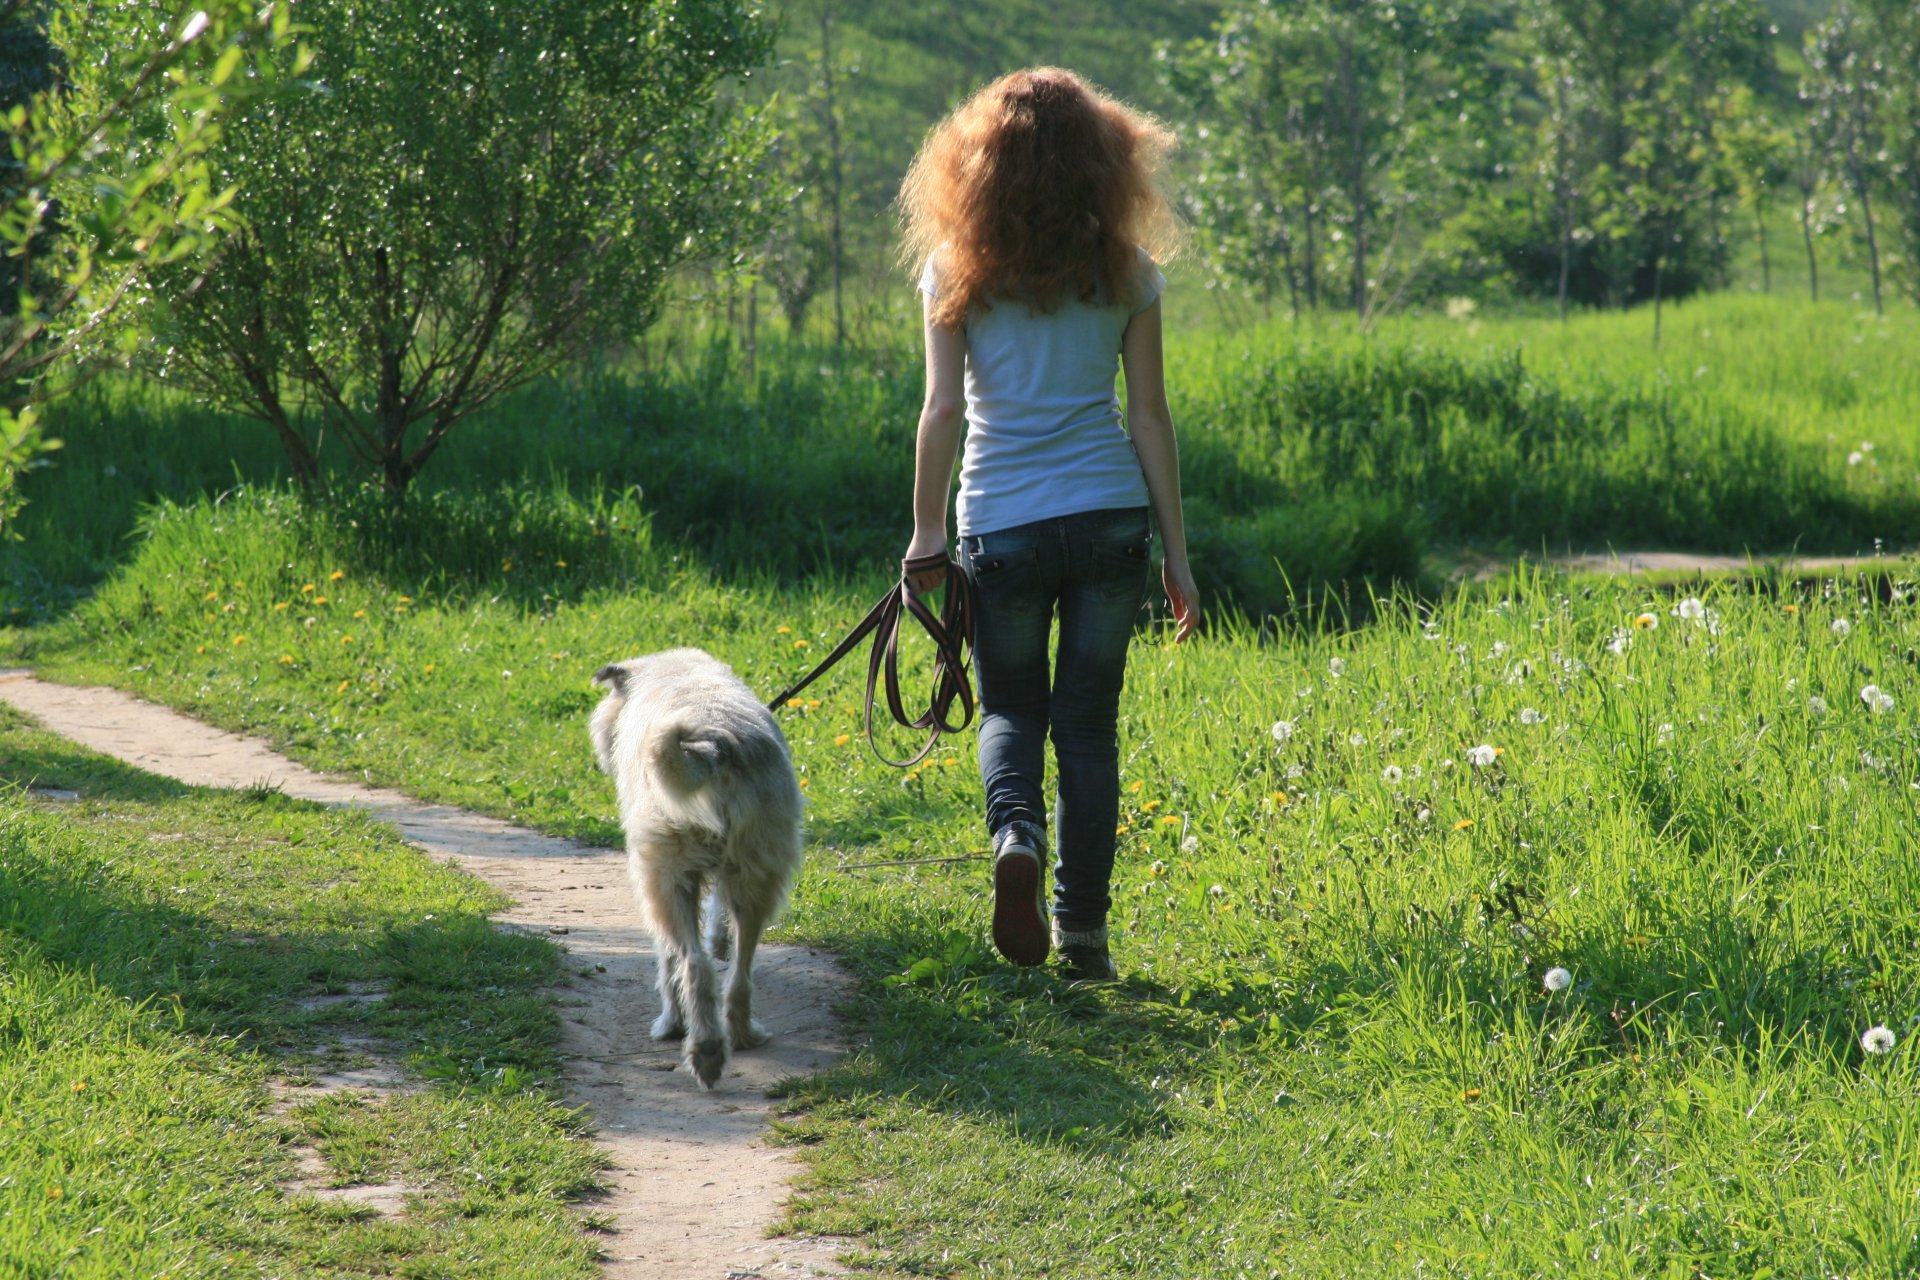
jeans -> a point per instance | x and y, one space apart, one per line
1093 567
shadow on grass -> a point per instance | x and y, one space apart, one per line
459 993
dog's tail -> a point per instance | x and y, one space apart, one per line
686 758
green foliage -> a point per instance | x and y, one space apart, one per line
471 195
103 180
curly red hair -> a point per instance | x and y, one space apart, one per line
1038 187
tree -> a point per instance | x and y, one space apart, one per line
476 194
1757 151
1846 87
103 181
1316 111
1896 35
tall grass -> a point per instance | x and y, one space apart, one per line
1316 456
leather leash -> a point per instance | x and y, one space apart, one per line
952 635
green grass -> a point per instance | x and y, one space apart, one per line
155 942
1316 458
1334 1055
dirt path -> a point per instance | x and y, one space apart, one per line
692 1189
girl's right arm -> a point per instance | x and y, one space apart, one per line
1150 423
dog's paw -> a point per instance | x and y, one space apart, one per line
667 1027
706 1059
750 1036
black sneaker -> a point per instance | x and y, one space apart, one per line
1084 958
1020 893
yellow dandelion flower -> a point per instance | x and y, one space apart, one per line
54 1193
427 670
342 686
319 599
1137 786
212 595
1280 797
806 782
200 648
559 564
78 1086
1463 824
951 761
282 606
794 702
1645 621
799 644
1790 608
286 659
842 739
336 575
239 639
1171 820
1469 1095
783 631
304 590
238 583
346 639
1149 806
813 704
506 566
404 599
359 613
399 608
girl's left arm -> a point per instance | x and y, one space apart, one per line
938 441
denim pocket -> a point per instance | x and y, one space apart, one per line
998 568
1122 567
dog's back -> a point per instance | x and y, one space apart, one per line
683 736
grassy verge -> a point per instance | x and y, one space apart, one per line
155 945
1316 458
1336 1054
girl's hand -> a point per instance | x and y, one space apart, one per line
926 544
1183 595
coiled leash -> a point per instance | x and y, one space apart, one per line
952 635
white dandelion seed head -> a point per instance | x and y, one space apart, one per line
1557 979
1158 868
1445 764
1216 891
1619 641
1499 649
1693 609
1840 626
1878 1040
1425 815
1531 715
1391 775
1282 730
1336 667
1877 699
1855 458
1817 705
1190 845
1481 756
1357 740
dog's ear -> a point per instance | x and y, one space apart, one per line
613 676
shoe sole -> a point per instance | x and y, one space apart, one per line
1020 931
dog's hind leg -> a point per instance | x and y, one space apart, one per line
719 928
689 984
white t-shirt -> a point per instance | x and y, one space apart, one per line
1044 428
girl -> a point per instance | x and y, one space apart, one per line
1033 214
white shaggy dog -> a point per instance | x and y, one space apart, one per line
707 799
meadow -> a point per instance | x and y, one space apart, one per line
1508 928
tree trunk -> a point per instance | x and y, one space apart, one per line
1566 253
1863 186
1659 271
835 174
1806 233
753 325
1313 274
